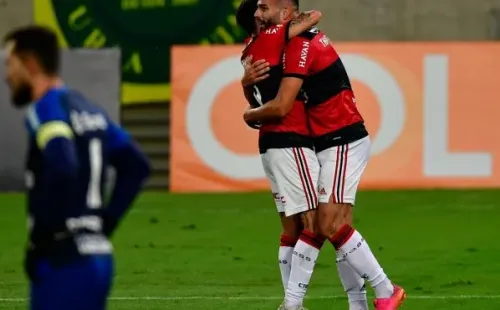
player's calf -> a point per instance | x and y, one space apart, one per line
334 223
351 246
331 217
304 258
291 229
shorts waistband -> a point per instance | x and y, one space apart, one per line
283 140
346 135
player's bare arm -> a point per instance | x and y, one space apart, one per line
279 106
297 62
257 71
303 22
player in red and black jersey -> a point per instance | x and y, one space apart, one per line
312 66
285 145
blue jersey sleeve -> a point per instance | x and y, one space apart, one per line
118 138
47 119
48 124
131 167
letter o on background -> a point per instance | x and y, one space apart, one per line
199 127
389 95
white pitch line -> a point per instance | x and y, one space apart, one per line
250 298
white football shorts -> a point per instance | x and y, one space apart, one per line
341 170
293 174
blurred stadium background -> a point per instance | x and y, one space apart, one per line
426 74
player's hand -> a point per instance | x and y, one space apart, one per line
253 125
254 71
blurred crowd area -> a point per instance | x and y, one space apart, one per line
353 20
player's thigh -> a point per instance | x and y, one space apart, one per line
266 165
81 285
296 171
341 170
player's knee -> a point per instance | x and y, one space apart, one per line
344 215
292 233
291 226
325 229
309 220
347 208
330 220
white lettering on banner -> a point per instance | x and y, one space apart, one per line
389 96
438 161
199 127
303 54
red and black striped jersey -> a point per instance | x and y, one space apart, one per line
332 111
269 44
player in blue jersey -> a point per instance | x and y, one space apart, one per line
72 142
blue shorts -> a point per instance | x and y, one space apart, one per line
81 285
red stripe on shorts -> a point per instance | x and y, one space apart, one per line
344 173
299 170
311 183
335 176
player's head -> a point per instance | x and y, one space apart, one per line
30 53
273 12
245 16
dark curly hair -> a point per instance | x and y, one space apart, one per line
39 41
245 15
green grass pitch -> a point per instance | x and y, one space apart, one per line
220 251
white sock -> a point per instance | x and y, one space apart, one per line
352 247
304 258
285 258
353 285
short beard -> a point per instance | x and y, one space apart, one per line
22 96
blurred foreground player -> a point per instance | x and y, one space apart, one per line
71 144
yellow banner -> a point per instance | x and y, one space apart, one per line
145 30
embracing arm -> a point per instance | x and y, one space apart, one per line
296 68
303 22
279 106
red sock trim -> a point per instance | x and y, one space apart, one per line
288 241
342 236
310 238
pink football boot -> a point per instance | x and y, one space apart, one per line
393 302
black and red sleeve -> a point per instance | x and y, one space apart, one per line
298 57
